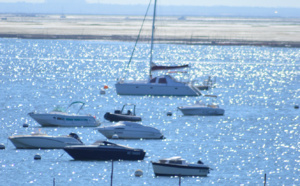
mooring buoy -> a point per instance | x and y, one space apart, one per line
37 157
102 91
138 173
2 146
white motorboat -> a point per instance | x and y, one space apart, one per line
164 85
39 140
176 166
130 130
58 117
202 109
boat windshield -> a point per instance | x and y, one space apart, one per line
58 109
130 124
153 80
106 143
176 162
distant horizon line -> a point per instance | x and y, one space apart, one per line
139 9
139 4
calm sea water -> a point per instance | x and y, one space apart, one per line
257 86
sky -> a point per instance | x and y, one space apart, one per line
249 3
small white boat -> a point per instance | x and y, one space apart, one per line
176 166
130 130
39 140
202 109
58 117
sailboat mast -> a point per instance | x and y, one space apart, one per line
152 37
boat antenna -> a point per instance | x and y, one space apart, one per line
138 37
152 37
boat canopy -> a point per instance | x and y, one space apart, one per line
157 67
128 104
106 143
77 102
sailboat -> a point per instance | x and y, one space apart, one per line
164 85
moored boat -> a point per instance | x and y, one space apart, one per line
202 109
164 85
60 118
104 150
130 130
38 140
122 115
176 166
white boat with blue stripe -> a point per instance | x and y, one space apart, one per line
60 118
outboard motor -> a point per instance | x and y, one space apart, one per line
74 135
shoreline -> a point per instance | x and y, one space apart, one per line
279 32
128 38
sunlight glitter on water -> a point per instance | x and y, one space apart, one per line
257 87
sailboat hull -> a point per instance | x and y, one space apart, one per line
155 90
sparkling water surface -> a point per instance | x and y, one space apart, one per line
257 86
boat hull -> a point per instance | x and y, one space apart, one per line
155 90
202 111
131 134
39 142
104 154
64 120
161 169
121 117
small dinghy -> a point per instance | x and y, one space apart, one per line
122 115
